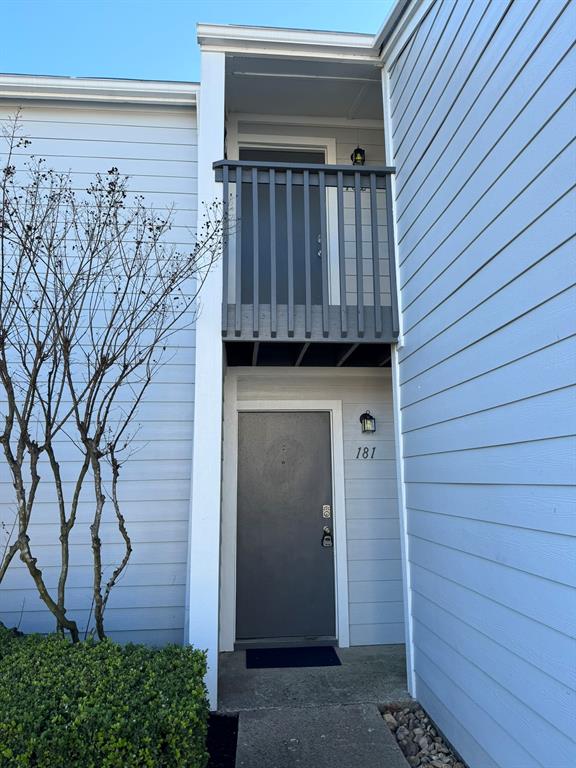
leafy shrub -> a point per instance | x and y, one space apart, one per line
100 705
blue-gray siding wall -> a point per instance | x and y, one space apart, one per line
483 118
156 147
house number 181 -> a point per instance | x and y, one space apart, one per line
364 452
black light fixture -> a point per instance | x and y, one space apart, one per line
368 422
358 156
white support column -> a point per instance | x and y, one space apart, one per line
399 444
204 547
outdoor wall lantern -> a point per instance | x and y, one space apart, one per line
358 157
368 422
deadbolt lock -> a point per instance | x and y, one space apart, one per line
326 511
327 537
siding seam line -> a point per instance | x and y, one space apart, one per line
484 264
413 66
491 370
537 176
500 288
469 553
479 129
487 80
424 72
497 642
488 598
492 184
538 715
422 99
494 408
491 522
478 706
490 333
509 4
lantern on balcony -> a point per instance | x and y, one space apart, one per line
358 157
368 422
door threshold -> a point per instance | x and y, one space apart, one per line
284 642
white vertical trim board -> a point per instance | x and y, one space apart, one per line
204 530
396 395
229 521
229 505
404 538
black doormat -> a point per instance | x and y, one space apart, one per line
222 738
312 656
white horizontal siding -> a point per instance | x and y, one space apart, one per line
156 148
372 526
483 111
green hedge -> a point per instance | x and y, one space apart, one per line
100 705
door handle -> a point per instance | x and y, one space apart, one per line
327 540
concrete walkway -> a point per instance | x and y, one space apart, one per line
319 717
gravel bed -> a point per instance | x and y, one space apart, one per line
419 740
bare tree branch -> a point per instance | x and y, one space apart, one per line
91 295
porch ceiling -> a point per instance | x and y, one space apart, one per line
306 354
301 87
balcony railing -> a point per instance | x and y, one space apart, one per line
310 253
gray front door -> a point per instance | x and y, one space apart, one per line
285 576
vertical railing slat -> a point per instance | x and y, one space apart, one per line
375 256
323 251
238 256
273 277
290 252
308 177
359 262
256 256
391 255
342 254
225 250
307 266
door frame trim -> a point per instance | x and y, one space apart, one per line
232 407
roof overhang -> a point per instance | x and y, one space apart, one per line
390 25
308 43
271 41
404 18
232 39
24 87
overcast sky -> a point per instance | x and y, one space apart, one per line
151 39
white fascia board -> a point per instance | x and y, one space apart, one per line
390 22
96 89
270 41
399 26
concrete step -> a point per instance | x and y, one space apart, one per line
330 736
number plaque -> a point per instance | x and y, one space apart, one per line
365 452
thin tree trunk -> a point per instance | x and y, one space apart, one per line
64 532
96 541
123 530
36 573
